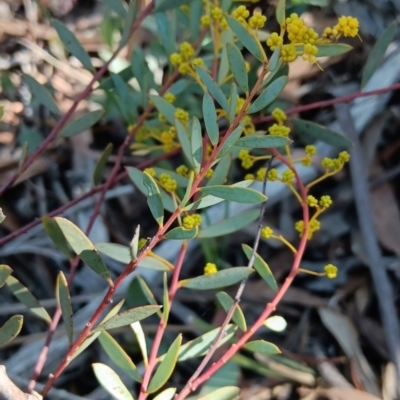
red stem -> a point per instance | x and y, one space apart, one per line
163 324
270 306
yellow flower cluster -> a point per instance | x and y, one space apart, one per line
168 183
182 170
257 20
190 221
336 164
310 151
272 174
249 127
210 269
169 97
312 201
313 226
241 14
330 271
267 232
184 60
182 115
209 173
279 130
287 176
325 201
150 171
216 15
304 39
246 158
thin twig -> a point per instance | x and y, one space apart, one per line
381 281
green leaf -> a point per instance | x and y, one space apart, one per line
166 303
24 154
5 272
196 10
11 329
221 171
111 382
246 38
134 244
118 356
183 138
210 119
27 298
167 394
224 278
2 216
238 318
223 68
378 51
71 43
330 49
86 343
262 141
114 311
224 393
41 94
117 7
122 254
315 131
56 235
268 95
229 225
199 346
130 18
84 248
233 97
154 199
213 88
238 66
236 194
231 141
166 367
64 302
181 233
207 201
275 60
165 108
166 25
280 12
82 124
141 340
196 145
261 346
101 164
137 178
261 267
127 317
186 197
171 4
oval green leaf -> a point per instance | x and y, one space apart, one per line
86 343
262 346
238 318
234 193
377 53
128 23
330 49
315 131
5 272
141 340
41 94
196 144
11 329
114 311
71 43
136 175
233 97
262 141
246 38
261 267
229 225
188 191
199 346
181 233
82 124
171 4
210 119
166 367
224 278
213 88
231 141
183 138
83 247
238 66
167 394
221 171
224 393
154 200
56 235
64 302
118 355
275 60
117 7
27 298
165 108
111 382
280 12
268 95
122 254
127 317
101 164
